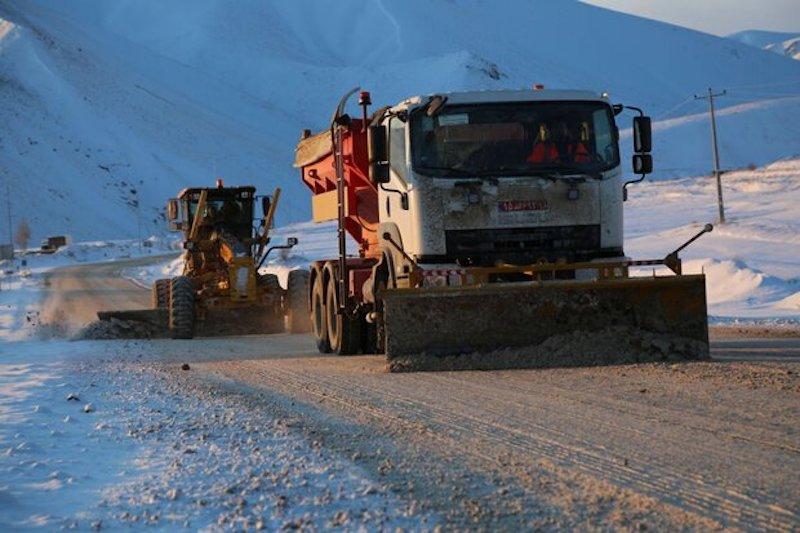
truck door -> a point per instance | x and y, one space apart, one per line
393 197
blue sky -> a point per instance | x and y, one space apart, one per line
720 17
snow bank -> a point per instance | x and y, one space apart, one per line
108 435
147 275
752 262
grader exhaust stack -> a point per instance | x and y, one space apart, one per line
489 232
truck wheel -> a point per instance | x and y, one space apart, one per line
161 289
298 315
382 282
344 333
319 324
181 308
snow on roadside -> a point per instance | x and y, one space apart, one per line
315 241
146 275
92 439
752 262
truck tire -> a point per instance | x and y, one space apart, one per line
319 324
161 290
344 332
298 315
382 281
181 308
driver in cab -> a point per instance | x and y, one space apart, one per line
549 149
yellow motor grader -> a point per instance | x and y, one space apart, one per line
220 290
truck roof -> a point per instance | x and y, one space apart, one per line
522 95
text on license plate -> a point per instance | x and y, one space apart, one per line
524 205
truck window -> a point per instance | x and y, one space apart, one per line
514 139
605 143
397 146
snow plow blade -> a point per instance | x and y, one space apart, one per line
546 324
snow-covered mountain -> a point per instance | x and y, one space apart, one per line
113 105
787 44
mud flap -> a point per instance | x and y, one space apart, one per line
556 323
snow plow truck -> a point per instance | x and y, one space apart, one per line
483 230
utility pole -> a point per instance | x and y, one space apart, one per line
717 172
8 212
138 206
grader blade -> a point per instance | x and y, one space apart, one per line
157 318
154 323
554 323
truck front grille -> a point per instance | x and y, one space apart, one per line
487 247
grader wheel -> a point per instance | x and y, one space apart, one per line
161 290
181 308
298 315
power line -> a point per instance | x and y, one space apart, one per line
715 148
761 85
672 110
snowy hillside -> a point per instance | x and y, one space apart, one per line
787 44
114 105
750 133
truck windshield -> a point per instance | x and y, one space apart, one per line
518 138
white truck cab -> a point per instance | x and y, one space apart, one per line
503 177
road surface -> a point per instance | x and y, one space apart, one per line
692 445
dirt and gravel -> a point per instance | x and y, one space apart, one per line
216 458
667 445
612 345
701 444
755 331
114 328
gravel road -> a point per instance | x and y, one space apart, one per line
692 445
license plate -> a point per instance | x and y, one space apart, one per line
524 205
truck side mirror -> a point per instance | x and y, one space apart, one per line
266 202
642 164
378 155
172 210
642 135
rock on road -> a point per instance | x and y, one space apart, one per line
690 445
